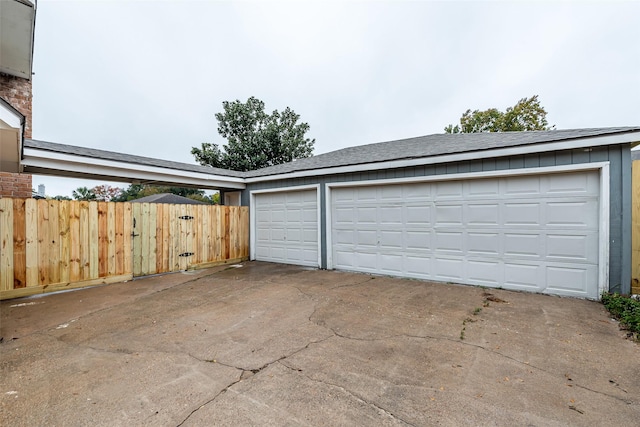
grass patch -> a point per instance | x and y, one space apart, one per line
626 310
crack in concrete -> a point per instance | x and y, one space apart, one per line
350 393
243 373
352 284
224 390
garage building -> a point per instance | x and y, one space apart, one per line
546 211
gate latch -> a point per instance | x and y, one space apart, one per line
186 254
186 217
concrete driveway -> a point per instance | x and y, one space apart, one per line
268 344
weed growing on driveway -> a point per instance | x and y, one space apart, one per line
626 310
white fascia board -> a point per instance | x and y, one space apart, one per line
571 144
9 117
78 164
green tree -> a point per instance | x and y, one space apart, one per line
526 115
255 139
83 193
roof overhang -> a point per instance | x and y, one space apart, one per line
38 161
587 143
17 24
11 131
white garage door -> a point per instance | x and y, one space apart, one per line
286 227
534 232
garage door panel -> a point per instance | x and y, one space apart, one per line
574 214
418 266
571 280
484 272
571 185
417 192
482 188
418 215
418 240
572 247
483 214
449 215
523 276
449 269
523 245
483 243
536 233
521 213
449 241
344 215
286 227
448 190
391 240
367 215
391 264
519 186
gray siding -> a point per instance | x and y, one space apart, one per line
619 157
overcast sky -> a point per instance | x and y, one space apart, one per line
147 77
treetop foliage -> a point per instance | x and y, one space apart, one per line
526 115
255 139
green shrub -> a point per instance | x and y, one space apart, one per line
626 310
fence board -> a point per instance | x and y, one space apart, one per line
31 234
159 238
153 237
118 238
111 239
6 244
75 245
53 245
94 250
43 240
19 245
85 236
127 232
103 247
65 240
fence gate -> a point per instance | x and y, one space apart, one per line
176 237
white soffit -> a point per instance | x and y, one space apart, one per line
42 161
17 22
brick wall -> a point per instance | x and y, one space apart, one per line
15 185
17 92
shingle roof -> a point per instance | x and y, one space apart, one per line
433 145
411 148
126 158
168 198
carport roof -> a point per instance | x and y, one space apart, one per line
438 145
126 158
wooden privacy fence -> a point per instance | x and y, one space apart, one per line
50 245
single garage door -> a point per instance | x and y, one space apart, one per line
531 232
286 227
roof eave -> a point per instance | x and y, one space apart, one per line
17 21
632 138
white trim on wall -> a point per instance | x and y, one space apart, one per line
603 255
252 215
603 234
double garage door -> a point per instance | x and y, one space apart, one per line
529 232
